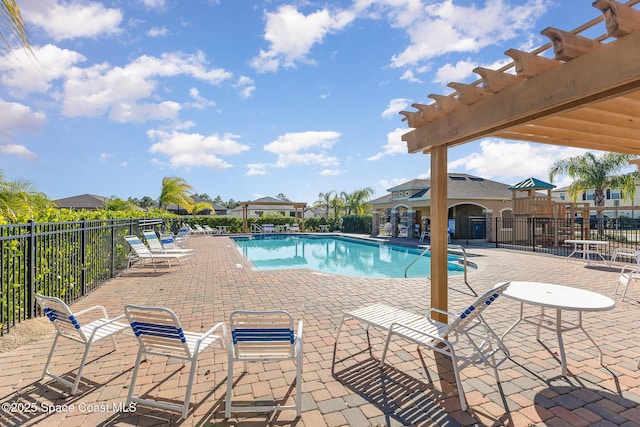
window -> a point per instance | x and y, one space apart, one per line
614 194
259 213
507 219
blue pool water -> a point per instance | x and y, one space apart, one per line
337 255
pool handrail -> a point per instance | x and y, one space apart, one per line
450 248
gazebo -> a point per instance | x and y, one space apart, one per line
273 202
587 96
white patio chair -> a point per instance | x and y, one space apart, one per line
160 333
142 252
468 339
628 275
264 336
68 325
199 229
156 246
624 253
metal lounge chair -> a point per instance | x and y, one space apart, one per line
468 339
264 336
160 333
156 247
68 325
142 252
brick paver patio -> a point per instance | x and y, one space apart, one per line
413 388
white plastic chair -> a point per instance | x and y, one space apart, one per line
142 252
468 339
623 252
159 332
628 275
156 246
264 336
68 325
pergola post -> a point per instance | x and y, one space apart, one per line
439 223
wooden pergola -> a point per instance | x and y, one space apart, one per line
296 206
586 96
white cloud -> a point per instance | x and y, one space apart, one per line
246 86
395 106
19 151
200 102
22 74
444 27
101 88
158 32
504 160
330 172
188 150
459 72
395 145
292 35
72 19
257 169
15 117
154 4
297 148
105 156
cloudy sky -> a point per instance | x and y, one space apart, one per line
245 99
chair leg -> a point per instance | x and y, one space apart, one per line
456 373
299 385
187 396
45 372
624 291
74 389
134 376
227 406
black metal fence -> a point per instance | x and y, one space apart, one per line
550 234
63 259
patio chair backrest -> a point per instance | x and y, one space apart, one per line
152 240
61 316
158 330
475 309
264 335
138 247
167 240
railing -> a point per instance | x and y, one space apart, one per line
63 259
548 235
256 228
450 248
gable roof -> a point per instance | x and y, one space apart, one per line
82 201
460 186
531 184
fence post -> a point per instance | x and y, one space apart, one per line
83 257
112 266
31 271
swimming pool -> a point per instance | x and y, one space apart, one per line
337 255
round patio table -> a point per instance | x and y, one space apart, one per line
561 298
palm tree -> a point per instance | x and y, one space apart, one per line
175 190
11 24
337 204
19 201
323 200
597 173
358 200
201 206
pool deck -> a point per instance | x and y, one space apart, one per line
413 388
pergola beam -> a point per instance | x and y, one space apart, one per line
599 74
